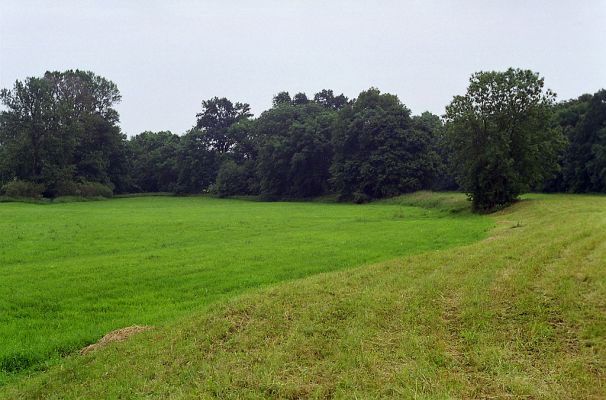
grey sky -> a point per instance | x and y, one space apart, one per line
167 56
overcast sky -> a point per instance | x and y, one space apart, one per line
167 56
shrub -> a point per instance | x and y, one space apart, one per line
232 179
19 188
94 189
360 198
66 188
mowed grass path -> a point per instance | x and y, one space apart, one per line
71 272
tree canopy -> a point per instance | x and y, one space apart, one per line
60 135
61 129
378 151
501 135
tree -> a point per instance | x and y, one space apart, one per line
26 125
300 99
153 161
215 119
378 151
213 140
501 136
281 98
62 128
567 115
197 163
294 150
326 98
431 125
234 179
584 169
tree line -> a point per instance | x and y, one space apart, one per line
60 135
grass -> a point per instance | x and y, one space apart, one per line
519 314
70 272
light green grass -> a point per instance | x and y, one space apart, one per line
520 314
71 272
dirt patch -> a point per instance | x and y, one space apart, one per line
491 238
115 336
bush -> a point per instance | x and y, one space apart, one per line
66 188
232 179
360 198
19 188
94 189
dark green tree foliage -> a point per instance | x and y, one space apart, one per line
236 179
153 161
294 150
326 98
236 174
212 141
585 159
217 116
197 163
501 135
567 115
431 125
281 98
26 126
62 128
378 150
300 99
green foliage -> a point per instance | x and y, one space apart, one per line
60 128
215 119
300 99
19 188
71 272
234 179
221 133
584 168
281 99
94 189
197 164
294 150
326 98
153 161
378 150
501 136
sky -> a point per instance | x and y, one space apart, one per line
168 56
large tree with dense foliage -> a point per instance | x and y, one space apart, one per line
327 98
432 126
215 119
567 115
378 150
153 161
212 141
294 149
584 168
62 128
502 137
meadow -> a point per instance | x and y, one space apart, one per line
71 272
517 311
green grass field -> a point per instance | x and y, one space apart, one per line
518 313
71 272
